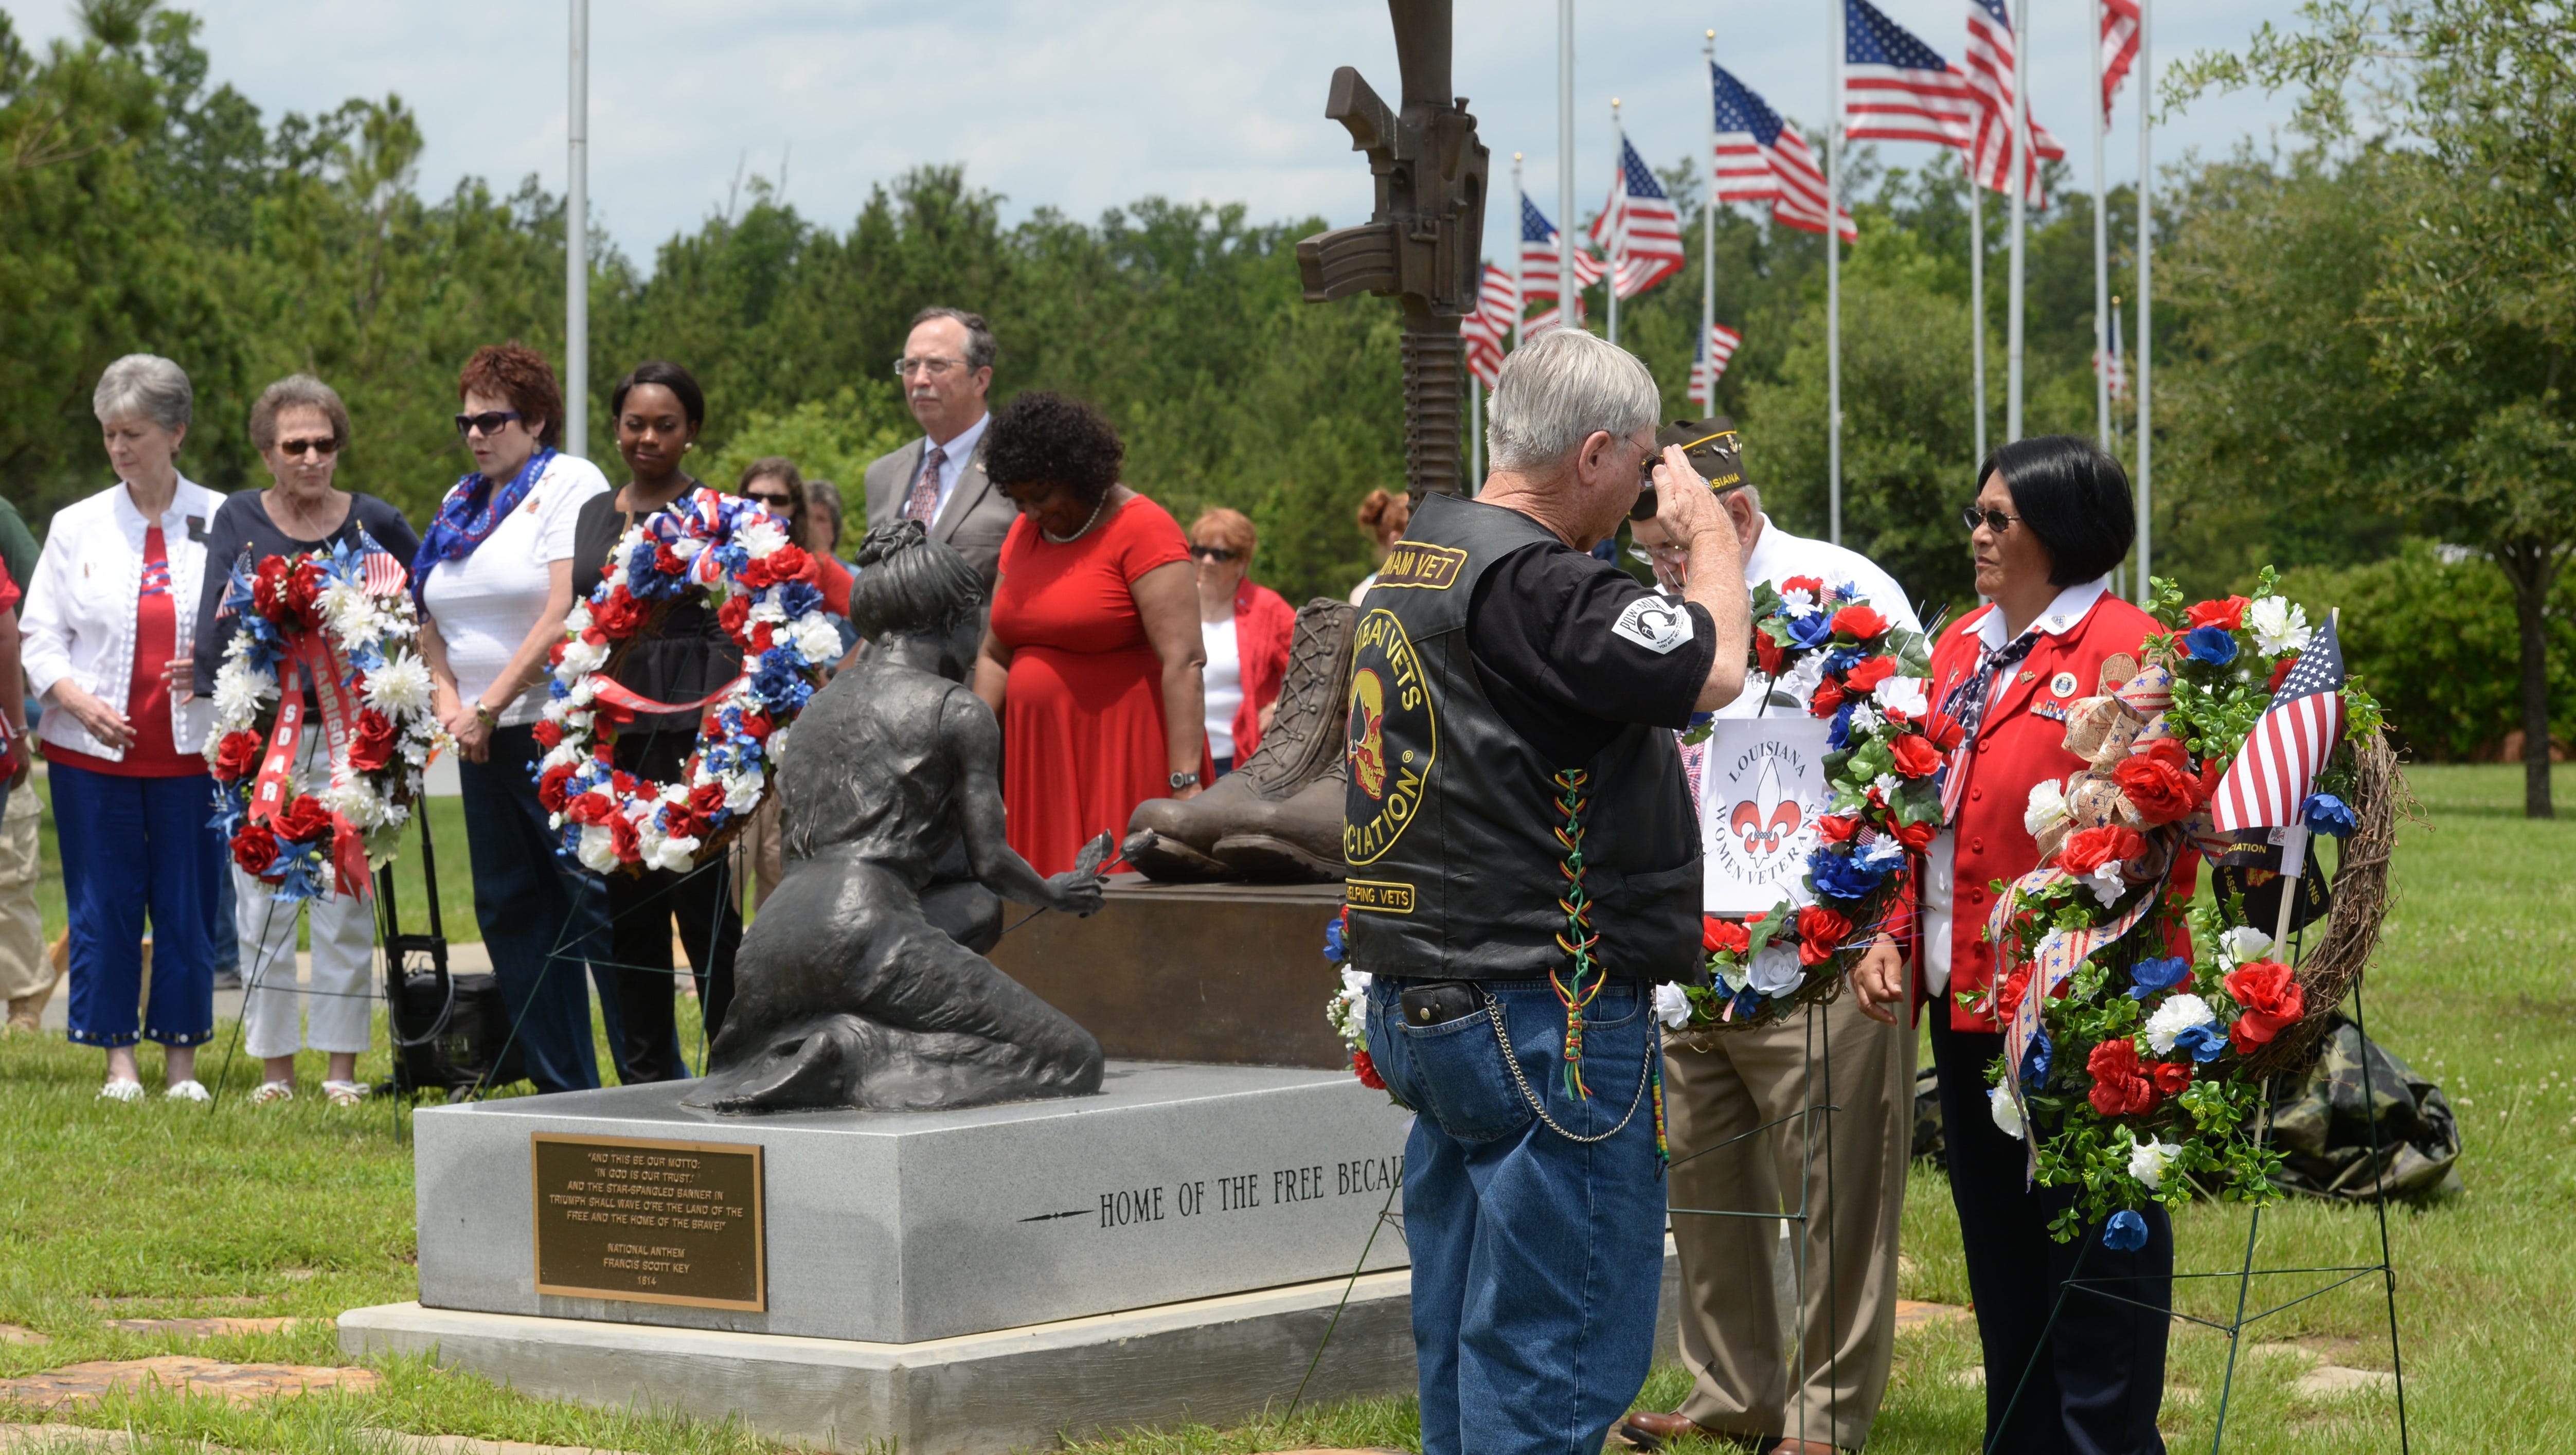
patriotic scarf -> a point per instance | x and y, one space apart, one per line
468 516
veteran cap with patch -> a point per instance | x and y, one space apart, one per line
1711 447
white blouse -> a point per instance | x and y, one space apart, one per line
79 615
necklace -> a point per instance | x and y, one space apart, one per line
1052 538
296 508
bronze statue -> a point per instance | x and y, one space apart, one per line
1423 245
862 984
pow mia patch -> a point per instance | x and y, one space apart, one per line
1654 623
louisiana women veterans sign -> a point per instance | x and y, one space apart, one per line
1762 788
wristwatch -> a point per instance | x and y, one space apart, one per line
1184 780
486 716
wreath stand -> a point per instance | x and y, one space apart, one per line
2293 854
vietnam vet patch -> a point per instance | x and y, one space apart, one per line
1412 563
1654 623
1390 737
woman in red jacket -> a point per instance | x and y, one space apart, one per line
2051 519
1246 628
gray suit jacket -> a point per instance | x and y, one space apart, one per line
975 519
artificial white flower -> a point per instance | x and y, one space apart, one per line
2005 1110
351 798
577 620
1908 695
1801 603
1355 989
2105 883
579 695
679 855
2243 943
351 615
1672 1005
580 659
2047 808
1864 721
1776 971
400 687
2278 626
2148 1162
597 850
1800 681
761 536
817 640
2178 1014
1887 785
742 790
687 547
768 611
240 690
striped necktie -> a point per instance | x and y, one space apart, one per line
1966 705
924 500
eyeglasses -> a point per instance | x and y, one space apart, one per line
774 502
323 448
1212 553
487 424
1993 520
934 367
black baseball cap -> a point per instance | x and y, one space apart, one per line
1711 446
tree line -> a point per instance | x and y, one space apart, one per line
2346 357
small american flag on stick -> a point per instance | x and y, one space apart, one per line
2268 783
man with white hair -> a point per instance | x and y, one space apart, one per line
1524 868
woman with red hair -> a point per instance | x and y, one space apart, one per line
1246 630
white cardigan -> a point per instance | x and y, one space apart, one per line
79 615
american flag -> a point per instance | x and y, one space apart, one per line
2119 46
2268 783
1896 88
1990 74
1539 257
1708 364
2108 361
1488 330
1546 320
1639 227
1750 133
380 574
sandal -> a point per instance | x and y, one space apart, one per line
343 1093
189 1090
121 1091
273 1091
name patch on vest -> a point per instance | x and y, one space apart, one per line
1411 563
1377 895
1390 737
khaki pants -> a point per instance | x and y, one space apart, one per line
24 966
757 852
1730 1318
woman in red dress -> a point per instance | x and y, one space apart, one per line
1092 659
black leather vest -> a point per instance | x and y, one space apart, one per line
1450 820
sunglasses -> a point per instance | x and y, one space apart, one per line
1212 553
1993 520
323 448
487 424
775 502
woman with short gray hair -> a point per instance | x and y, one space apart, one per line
107 647
301 429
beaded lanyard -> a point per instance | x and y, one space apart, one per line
1577 939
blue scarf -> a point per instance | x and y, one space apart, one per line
469 514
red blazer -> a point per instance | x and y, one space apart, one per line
2022 740
1263 622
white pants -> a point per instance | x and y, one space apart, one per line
344 952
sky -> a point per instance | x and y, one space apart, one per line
1086 107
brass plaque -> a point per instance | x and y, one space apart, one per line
648 1221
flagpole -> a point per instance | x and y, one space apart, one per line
1977 293
576 383
1520 263
1475 435
2020 159
1618 213
2146 296
2101 243
1708 238
1834 284
1567 298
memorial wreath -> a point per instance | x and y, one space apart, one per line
2136 1071
343 623
732 553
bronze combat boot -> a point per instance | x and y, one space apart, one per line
1277 802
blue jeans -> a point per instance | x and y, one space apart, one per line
1537 1259
543 918
131 846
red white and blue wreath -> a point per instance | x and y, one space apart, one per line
342 622
732 553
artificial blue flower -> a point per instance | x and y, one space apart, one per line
1840 875
799 597
1843 659
2126 1232
1748 1002
1846 591
298 868
1883 854
2327 814
1838 736
1812 630
2214 645
1333 940
2203 1042
2150 976
2034 1062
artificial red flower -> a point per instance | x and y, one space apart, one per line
2227 612
764 635
1767 654
2008 995
787 563
2089 849
298 592
624 841
1834 828
2159 783
548 733
237 755
756 726
1364 1067
265 581
1945 732
2212 772
734 613
2118 1088
303 821
1916 837
372 746
1860 623
706 798
2270 997
1828 698
2170 1076
1820 933
1915 755
553 786
619 615
2280 671
254 848
1725 936
1812 585
1868 672
624 784
667 561
589 808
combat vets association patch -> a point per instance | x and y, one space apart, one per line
1390 738
1654 623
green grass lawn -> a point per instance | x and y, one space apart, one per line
304 1211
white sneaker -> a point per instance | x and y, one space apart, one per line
121 1091
190 1090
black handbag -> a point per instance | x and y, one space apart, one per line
450 1032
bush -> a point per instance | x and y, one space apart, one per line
2435 642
